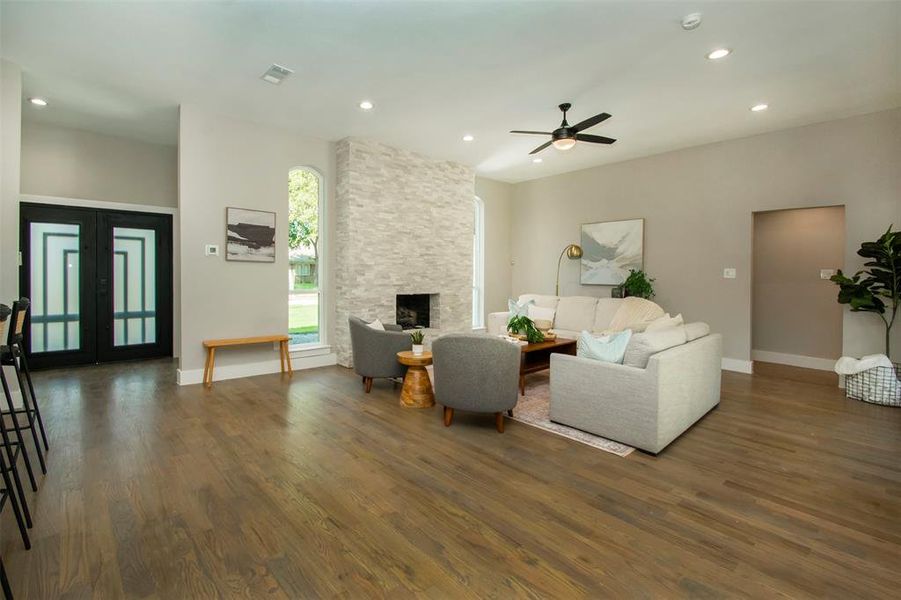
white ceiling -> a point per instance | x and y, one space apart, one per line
437 70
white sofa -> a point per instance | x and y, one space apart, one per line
669 379
643 407
574 314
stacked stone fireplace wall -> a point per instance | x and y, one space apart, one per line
404 225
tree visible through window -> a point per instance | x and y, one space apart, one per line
303 256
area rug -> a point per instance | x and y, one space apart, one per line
534 409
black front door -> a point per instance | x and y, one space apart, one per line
100 284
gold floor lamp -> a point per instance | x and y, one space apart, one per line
571 251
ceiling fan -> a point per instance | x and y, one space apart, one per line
566 136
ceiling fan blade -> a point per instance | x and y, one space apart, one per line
533 132
541 147
591 122
595 139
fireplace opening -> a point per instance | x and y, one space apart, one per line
413 310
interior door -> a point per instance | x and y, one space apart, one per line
100 284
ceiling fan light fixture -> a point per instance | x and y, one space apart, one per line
564 143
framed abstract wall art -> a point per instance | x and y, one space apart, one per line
250 235
610 249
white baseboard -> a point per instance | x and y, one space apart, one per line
192 376
737 365
794 360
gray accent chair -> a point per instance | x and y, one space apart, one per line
476 373
375 352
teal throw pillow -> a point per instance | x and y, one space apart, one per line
609 348
518 309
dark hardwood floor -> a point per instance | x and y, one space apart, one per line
276 488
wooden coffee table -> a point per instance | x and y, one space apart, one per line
537 357
417 391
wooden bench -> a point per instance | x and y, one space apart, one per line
211 345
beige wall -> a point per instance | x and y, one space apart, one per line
794 309
498 199
698 205
227 162
10 124
71 163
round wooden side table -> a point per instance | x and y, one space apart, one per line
417 390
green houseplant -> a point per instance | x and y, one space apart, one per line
638 284
523 325
877 288
417 336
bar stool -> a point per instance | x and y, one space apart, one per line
4 583
13 354
9 458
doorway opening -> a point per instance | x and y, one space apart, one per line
795 318
100 284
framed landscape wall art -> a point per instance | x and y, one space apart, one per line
610 249
250 235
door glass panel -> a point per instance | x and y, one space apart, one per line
134 286
54 287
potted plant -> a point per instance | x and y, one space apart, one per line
417 336
876 289
637 284
525 326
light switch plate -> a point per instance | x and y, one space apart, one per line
211 250
826 273
729 273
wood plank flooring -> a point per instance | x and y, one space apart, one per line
274 488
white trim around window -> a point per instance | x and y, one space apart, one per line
478 264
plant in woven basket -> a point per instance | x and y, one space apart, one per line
876 289
638 284
523 325
417 336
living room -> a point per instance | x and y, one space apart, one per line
180 423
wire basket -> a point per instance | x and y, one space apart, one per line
879 385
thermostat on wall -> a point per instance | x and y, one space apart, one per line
211 250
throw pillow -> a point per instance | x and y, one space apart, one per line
644 345
609 348
538 313
664 322
633 310
519 309
377 324
696 330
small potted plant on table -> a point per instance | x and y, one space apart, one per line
523 326
417 337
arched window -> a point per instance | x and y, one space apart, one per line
305 199
478 264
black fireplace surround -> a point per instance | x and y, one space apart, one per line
412 310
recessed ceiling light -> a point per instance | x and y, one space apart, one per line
759 107
537 160
719 53
366 105
38 101
468 138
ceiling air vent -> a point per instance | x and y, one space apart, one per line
275 74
